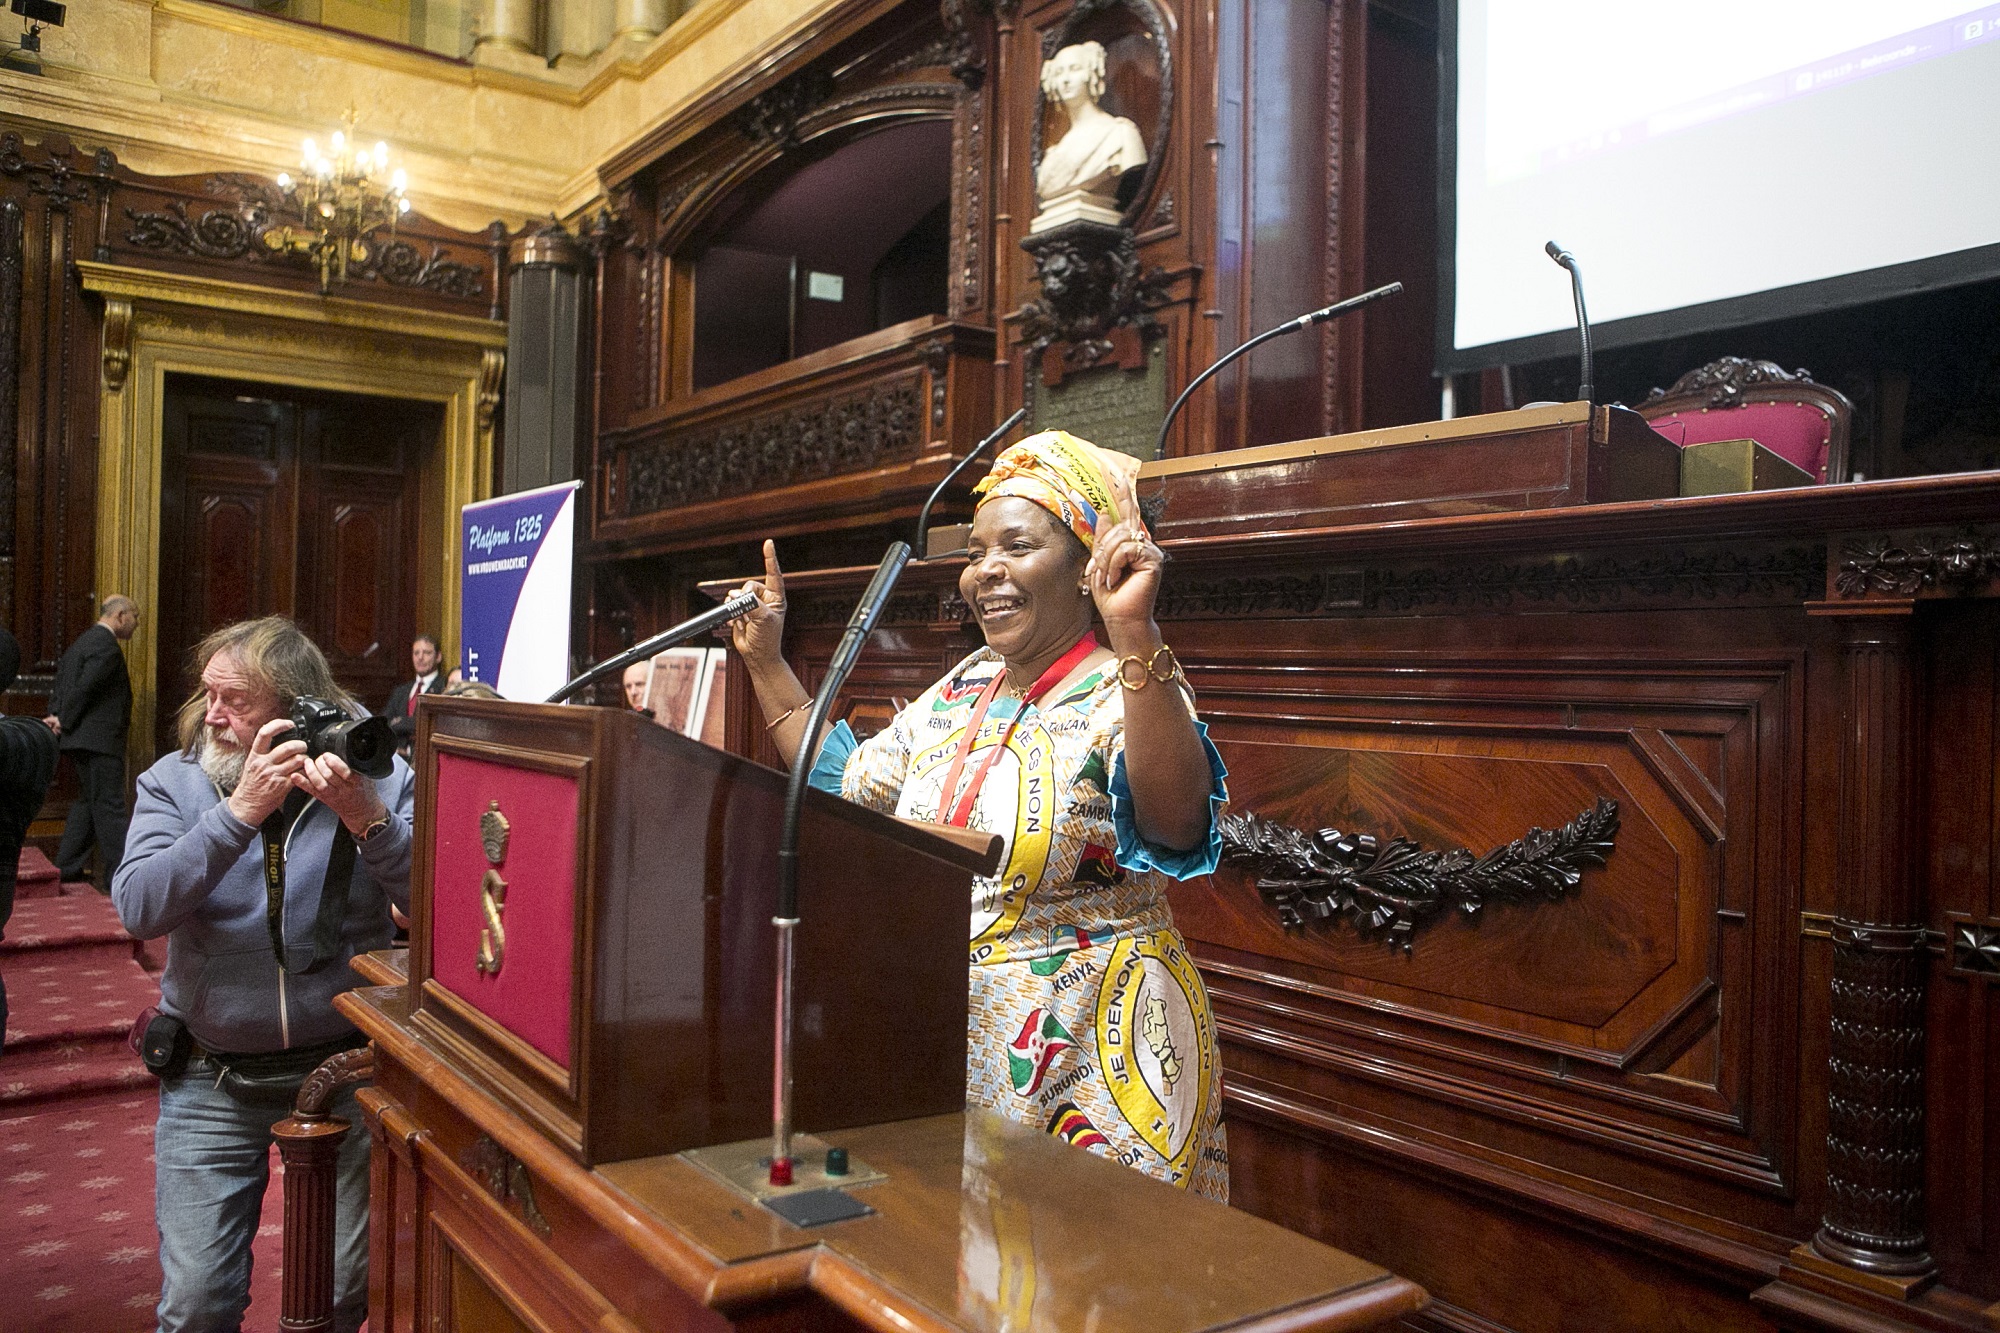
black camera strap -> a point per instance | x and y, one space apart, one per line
332 893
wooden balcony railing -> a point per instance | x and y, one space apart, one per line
851 436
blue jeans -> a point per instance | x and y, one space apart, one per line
212 1162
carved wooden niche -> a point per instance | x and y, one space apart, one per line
1087 208
1138 86
805 274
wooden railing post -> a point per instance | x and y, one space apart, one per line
1874 1219
309 1144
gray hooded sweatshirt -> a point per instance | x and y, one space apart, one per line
195 873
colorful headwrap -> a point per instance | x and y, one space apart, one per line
1064 475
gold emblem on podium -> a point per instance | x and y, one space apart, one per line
493 831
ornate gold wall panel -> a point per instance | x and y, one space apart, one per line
159 324
177 86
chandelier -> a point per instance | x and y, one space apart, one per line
343 198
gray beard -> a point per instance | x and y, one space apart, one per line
222 764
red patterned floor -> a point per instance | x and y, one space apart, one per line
78 1246
77 1239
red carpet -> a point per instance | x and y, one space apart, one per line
77 1240
74 985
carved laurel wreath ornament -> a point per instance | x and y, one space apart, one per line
1390 889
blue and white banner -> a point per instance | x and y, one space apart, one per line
517 553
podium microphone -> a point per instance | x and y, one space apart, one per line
786 919
741 604
1587 390
1334 311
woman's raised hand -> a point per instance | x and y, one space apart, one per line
759 635
1124 568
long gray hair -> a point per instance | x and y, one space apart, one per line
276 655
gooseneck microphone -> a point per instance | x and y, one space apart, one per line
924 514
786 919
1334 311
713 618
1587 390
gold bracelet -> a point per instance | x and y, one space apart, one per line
773 724
1149 670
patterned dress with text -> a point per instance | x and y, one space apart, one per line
1087 1018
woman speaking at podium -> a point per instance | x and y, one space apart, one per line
1086 1016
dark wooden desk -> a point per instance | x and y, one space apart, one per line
1771 1016
480 1223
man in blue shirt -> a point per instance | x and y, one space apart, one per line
268 870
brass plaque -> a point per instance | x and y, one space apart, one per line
1111 407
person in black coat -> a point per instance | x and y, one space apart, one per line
402 715
27 766
90 709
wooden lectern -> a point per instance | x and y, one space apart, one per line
592 898
588 990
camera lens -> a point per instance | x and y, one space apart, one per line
365 745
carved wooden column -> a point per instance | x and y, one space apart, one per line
309 1142
12 265
1874 1218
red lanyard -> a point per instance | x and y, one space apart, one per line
961 809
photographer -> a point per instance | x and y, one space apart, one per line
269 863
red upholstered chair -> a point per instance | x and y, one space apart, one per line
1738 399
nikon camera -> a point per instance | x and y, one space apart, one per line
364 744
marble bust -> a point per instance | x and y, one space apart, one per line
1078 177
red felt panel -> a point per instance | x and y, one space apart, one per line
531 994
1796 432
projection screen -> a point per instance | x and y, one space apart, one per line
1709 162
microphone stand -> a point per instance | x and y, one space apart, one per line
1587 390
1334 311
924 514
786 920
665 639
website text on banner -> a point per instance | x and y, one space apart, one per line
517 555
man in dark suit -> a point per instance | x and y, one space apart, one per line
402 709
27 763
89 709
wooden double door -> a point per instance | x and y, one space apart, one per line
292 502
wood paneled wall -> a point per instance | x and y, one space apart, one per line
54 201
61 204
1260 205
1628 1102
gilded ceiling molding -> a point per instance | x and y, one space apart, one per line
515 144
